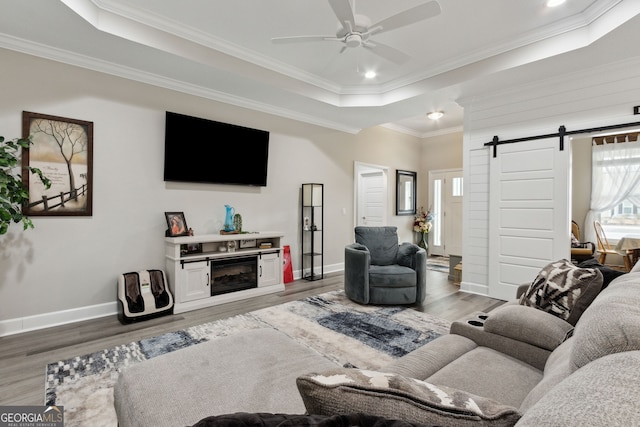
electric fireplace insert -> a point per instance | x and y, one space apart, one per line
233 274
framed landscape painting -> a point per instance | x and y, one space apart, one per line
63 150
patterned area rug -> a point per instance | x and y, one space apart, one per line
438 263
347 333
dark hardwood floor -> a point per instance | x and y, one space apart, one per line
23 357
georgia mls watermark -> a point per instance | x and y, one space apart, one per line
31 416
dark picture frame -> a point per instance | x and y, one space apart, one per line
176 224
63 150
406 192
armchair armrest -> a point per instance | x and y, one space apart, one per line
356 272
413 256
529 325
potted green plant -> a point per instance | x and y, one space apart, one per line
13 193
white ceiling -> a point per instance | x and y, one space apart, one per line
222 49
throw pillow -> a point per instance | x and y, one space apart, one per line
563 290
608 273
344 391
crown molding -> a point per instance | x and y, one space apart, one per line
412 132
86 62
440 132
401 129
170 26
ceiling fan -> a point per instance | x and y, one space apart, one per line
356 30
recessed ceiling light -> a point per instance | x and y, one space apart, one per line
435 115
554 3
370 74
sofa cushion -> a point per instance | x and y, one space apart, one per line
382 243
342 391
425 361
556 369
564 290
610 324
489 373
391 276
602 393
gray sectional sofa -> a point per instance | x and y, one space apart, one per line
516 365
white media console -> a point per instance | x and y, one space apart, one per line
217 268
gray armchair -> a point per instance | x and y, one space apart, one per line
379 271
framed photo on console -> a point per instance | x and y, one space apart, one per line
248 243
191 248
177 224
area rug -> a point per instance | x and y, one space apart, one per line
347 333
438 263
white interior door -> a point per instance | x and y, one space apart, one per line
529 212
371 195
445 199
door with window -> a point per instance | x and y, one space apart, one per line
445 201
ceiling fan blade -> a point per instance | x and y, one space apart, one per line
408 17
387 52
344 13
303 39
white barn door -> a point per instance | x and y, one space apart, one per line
529 218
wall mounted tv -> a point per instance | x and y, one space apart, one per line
201 150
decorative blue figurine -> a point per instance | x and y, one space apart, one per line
228 220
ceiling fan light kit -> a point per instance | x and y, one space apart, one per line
353 40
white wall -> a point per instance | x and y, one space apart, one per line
67 267
598 96
438 153
581 180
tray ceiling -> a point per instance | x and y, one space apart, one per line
223 50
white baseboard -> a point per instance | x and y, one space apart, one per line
56 318
334 268
474 288
297 274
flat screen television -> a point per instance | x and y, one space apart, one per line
206 151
